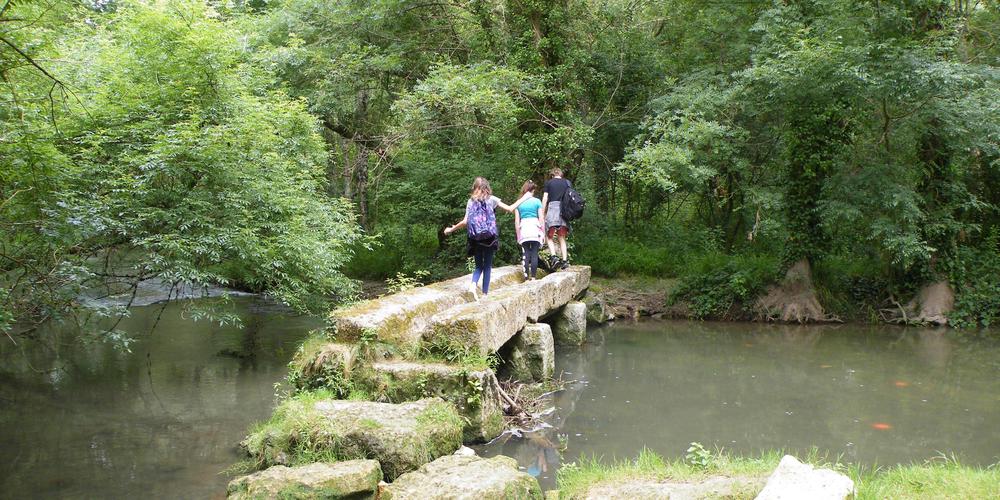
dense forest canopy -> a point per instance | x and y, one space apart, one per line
289 146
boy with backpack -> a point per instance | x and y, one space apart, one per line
560 204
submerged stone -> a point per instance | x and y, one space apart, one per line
352 479
532 354
569 327
400 436
487 325
793 479
472 392
465 477
401 317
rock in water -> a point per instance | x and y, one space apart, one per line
532 354
458 477
570 324
354 479
472 392
400 436
794 480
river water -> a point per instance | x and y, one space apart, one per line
164 420
160 422
870 395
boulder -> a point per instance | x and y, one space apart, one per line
532 355
472 392
401 436
399 318
793 479
598 310
353 479
487 325
458 477
321 364
570 324
652 489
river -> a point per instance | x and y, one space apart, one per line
866 394
163 420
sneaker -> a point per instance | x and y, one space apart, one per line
553 262
563 264
474 290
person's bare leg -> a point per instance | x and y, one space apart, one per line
552 245
562 248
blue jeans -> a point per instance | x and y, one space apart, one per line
483 256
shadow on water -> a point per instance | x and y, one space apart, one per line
161 421
866 394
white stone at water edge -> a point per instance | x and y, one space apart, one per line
794 480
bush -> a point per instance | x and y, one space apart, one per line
657 249
851 286
721 286
977 286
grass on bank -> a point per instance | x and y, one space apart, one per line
941 478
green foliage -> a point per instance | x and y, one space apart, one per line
402 281
175 158
697 456
977 294
720 286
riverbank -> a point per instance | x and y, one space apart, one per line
944 478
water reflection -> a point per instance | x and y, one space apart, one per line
162 421
868 394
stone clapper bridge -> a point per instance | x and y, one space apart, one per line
402 381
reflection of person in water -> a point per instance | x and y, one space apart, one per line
547 453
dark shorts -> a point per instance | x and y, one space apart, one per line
562 231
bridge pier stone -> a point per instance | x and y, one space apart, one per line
532 354
569 325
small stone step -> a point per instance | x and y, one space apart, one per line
399 318
458 477
490 323
402 437
352 479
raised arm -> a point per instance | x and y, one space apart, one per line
510 208
459 225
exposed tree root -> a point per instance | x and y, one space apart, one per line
794 299
930 306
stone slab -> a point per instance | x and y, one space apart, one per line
457 477
487 325
654 489
351 479
793 480
472 392
399 318
402 437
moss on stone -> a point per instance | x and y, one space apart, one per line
314 427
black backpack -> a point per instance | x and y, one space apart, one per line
571 205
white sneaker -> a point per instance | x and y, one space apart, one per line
474 290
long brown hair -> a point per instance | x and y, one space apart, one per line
529 185
480 189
